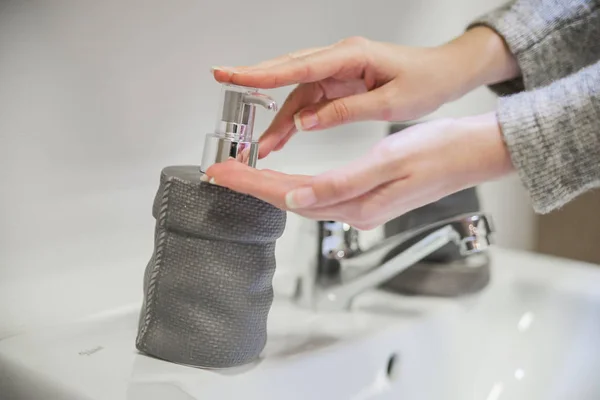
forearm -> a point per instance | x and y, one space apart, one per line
550 39
479 57
553 137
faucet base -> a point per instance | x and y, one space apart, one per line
458 278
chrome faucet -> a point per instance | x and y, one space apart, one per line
344 270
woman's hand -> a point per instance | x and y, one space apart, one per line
358 79
402 172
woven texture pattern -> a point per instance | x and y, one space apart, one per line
208 285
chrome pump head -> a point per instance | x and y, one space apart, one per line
233 134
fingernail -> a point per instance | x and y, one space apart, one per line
300 198
212 181
225 69
204 178
305 120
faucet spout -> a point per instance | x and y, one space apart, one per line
344 270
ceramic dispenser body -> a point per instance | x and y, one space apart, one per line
208 284
233 136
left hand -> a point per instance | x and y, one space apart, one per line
358 79
402 172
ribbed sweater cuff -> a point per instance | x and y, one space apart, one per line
553 137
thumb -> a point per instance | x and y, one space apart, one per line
373 105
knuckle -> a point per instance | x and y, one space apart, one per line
385 152
330 189
356 41
341 111
446 123
364 212
275 81
361 216
386 104
364 225
388 158
357 225
370 225
302 69
307 71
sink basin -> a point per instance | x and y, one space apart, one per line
307 354
530 335
534 334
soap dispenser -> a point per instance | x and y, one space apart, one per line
233 136
208 285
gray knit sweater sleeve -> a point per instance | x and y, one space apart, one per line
551 118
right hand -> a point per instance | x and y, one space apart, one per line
402 172
358 79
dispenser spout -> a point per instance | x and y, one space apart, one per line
261 100
233 136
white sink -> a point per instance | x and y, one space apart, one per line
530 335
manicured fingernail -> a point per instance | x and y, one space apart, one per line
300 198
305 120
229 70
212 181
204 178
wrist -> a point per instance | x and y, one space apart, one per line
482 141
478 57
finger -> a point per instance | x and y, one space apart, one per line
398 210
293 179
312 67
223 74
288 57
351 181
364 208
371 210
310 95
382 204
282 125
282 143
267 185
374 105
274 142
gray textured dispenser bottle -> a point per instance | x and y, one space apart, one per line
208 285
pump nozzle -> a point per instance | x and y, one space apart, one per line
235 125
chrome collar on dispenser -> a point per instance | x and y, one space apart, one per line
235 125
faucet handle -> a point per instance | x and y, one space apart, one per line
337 240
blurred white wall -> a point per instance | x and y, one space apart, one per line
97 97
